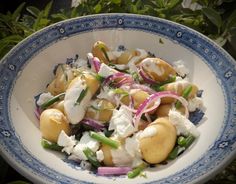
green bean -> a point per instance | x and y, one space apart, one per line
160 86
52 101
185 94
174 153
189 141
104 139
181 141
91 156
136 171
50 145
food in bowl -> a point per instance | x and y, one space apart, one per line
120 111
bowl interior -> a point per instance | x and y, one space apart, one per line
37 73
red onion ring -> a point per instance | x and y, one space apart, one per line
145 77
142 108
93 123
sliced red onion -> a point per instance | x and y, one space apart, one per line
37 113
93 123
143 87
145 77
126 78
143 106
104 171
94 61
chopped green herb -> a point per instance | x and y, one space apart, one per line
81 96
91 156
52 101
99 78
105 54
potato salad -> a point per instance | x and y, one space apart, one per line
119 111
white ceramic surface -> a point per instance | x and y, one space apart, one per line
27 69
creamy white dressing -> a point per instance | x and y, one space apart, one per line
148 132
75 112
151 65
180 68
120 157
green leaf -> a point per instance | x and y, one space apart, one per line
97 8
59 16
33 10
47 9
213 16
116 1
37 21
172 3
16 14
74 13
231 22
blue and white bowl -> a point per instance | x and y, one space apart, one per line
27 69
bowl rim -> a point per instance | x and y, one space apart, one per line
29 175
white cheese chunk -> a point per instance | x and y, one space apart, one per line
44 97
121 122
180 68
148 132
75 112
120 157
85 142
182 124
106 71
67 142
100 155
195 103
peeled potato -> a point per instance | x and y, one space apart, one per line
178 87
107 155
59 106
163 110
104 111
157 69
52 122
156 148
97 51
126 56
138 96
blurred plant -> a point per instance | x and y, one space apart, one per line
211 19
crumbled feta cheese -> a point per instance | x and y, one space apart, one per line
194 104
182 124
106 71
80 63
113 55
132 147
121 122
85 142
148 132
180 68
106 93
67 142
75 112
100 155
44 97
120 157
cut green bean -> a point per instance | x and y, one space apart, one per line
189 141
104 139
174 153
99 78
50 145
181 141
52 101
136 171
91 156
160 86
185 94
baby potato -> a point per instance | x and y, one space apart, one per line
138 96
157 69
126 56
163 110
107 155
97 51
59 106
103 111
52 122
63 77
178 87
156 148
